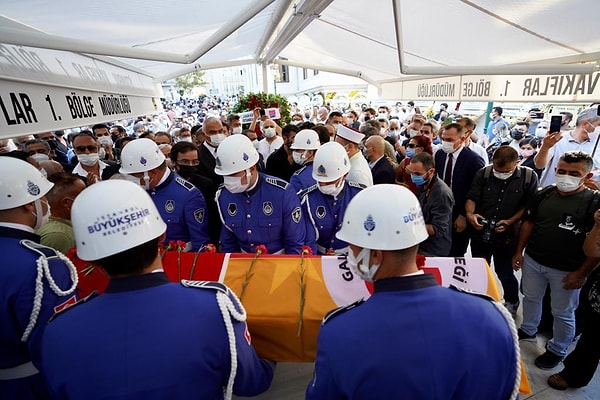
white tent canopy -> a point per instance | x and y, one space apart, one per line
381 41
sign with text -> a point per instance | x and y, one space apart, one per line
31 108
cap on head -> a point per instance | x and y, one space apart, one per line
306 139
235 153
331 162
106 225
350 134
369 225
140 155
20 183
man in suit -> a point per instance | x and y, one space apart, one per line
456 166
381 168
213 134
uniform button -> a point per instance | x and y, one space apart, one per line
321 226
335 216
334 203
249 231
251 244
247 201
248 216
331 240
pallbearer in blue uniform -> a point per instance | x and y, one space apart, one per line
180 203
306 143
35 280
325 202
412 339
145 337
255 208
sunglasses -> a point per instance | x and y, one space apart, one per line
91 148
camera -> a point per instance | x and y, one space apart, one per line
488 229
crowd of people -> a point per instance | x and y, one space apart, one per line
338 181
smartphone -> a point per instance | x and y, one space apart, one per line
555 123
262 111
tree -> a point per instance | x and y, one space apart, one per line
191 81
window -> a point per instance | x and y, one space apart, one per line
316 72
284 72
304 73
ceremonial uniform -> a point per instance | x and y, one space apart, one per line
19 378
183 208
268 214
146 338
415 340
359 170
323 217
302 179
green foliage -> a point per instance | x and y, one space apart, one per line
265 100
188 82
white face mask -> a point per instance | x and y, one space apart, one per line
216 139
236 130
269 132
448 147
360 264
255 143
541 131
296 122
382 132
350 121
594 135
39 157
332 189
567 183
105 140
187 139
413 133
39 222
299 158
89 160
234 184
503 175
137 181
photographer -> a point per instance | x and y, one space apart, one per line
495 204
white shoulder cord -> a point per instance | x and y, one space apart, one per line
229 310
44 270
513 330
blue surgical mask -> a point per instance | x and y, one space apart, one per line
418 180
410 152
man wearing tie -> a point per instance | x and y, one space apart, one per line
457 165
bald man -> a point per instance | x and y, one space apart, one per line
381 168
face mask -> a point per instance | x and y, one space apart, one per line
255 143
45 217
44 173
234 183
332 189
540 131
527 153
594 135
413 133
335 126
132 179
418 180
516 134
503 175
187 139
216 139
383 132
89 160
448 147
105 140
40 157
567 183
492 115
350 121
269 132
363 270
410 152
299 157
186 171
236 130
296 122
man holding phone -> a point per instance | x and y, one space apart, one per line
583 137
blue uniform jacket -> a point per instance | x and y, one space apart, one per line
324 216
183 208
268 214
414 339
302 179
146 338
18 272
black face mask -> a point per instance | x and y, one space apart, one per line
516 134
186 171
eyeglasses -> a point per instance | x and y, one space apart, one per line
91 148
192 163
411 145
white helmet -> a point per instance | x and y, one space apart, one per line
370 226
140 155
20 183
306 139
331 162
235 153
106 225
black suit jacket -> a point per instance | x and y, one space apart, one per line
206 168
383 172
463 171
